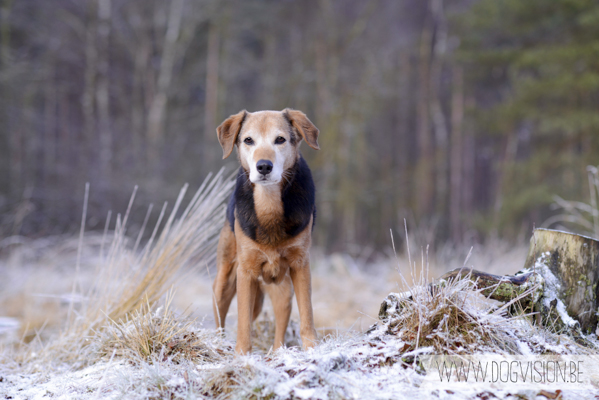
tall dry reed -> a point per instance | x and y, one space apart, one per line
127 279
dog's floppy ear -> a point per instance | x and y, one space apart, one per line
227 132
304 126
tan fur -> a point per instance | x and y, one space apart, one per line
281 267
269 207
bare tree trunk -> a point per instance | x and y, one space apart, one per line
457 116
509 155
29 142
271 93
102 91
469 163
157 113
50 100
7 168
212 82
329 114
425 173
5 11
405 196
323 90
437 115
141 56
89 89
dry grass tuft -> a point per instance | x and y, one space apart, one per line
445 318
128 280
226 382
153 334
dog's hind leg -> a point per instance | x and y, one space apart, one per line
281 296
225 283
224 290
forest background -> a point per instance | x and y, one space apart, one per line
465 117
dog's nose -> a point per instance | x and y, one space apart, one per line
264 167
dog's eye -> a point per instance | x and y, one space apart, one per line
248 141
280 140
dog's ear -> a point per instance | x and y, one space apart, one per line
304 126
229 130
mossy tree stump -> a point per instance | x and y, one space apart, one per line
573 260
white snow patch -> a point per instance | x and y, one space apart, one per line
523 347
552 289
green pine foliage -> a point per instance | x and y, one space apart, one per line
534 68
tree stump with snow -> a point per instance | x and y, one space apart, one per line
559 283
569 265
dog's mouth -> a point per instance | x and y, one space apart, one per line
265 180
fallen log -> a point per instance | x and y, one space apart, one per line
496 287
525 287
560 274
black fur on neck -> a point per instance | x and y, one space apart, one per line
297 193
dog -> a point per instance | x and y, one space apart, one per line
265 243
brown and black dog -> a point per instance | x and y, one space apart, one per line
265 245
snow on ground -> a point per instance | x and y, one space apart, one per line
347 364
351 367
339 369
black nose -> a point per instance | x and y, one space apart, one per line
264 167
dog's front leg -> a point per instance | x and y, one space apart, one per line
246 294
302 284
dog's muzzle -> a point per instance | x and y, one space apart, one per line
264 167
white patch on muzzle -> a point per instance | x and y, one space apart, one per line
272 178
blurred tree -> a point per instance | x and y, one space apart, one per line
534 67
125 92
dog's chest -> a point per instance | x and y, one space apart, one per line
269 206
269 209
272 215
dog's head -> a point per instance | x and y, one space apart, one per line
267 141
